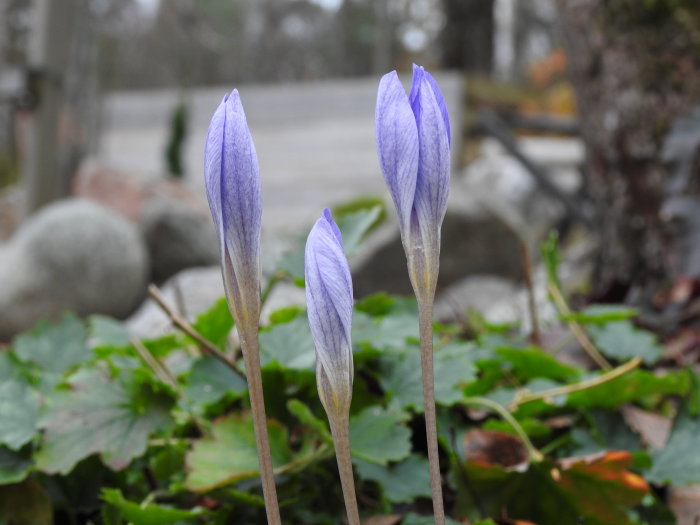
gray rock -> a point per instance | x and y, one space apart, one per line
75 256
497 299
473 243
178 237
491 296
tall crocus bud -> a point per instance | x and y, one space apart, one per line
232 181
413 142
329 305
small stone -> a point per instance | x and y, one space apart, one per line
76 256
178 237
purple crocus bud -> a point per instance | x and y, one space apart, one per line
413 143
329 303
232 181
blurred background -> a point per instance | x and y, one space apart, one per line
578 117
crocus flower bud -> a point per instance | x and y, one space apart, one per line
413 143
232 181
329 303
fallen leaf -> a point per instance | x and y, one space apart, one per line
684 502
654 429
492 447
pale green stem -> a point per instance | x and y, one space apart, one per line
341 440
532 452
251 357
425 322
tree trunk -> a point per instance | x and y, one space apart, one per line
635 67
467 37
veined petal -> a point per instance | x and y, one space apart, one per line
441 103
329 304
232 183
397 145
212 167
432 185
240 188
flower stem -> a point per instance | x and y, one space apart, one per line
180 322
527 397
341 439
532 452
251 357
425 323
576 329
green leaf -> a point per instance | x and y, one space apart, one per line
19 411
13 368
386 334
633 386
286 314
534 428
376 305
609 432
215 324
14 467
106 332
114 417
621 340
292 262
602 314
168 463
289 345
354 226
303 413
529 363
150 514
164 345
230 454
679 463
209 380
401 376
25 503
379 436
54 347
402 482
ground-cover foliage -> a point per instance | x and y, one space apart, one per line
97 428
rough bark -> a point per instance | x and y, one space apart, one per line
635 67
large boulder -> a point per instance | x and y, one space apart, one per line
178 237
473 243
75 256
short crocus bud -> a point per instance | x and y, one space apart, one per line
329 303
413 142
232 182
329 306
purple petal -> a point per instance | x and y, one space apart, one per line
413 94
397 145
441 103
336 231
329 303
232 183
432 186
212 167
